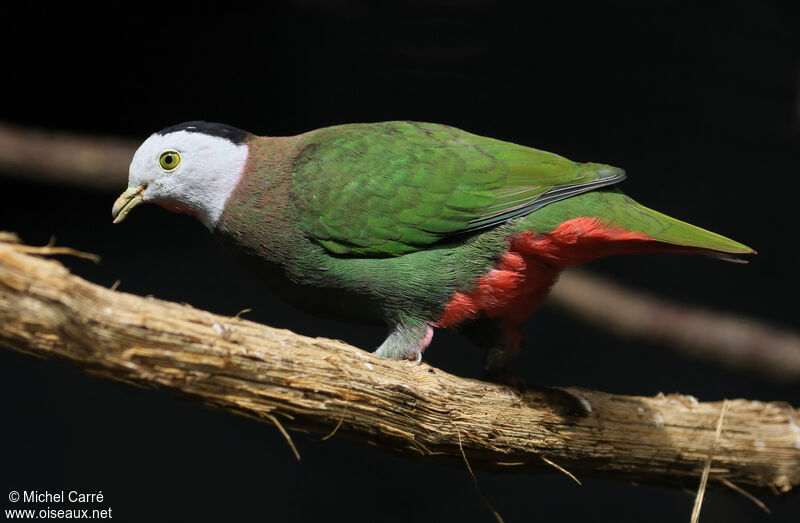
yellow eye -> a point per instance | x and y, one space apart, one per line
169 160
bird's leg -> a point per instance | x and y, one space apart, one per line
407 340
502 340
499 354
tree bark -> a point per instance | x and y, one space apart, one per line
326 386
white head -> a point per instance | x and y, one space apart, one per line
191 168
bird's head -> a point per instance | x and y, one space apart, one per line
190 168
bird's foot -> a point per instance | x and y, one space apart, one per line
407 341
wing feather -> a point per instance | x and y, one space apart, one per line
392 188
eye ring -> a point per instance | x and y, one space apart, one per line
169 160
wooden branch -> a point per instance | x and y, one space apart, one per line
728 340
90 161
321 385
735 341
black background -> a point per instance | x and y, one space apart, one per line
698 104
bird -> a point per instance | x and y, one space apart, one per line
415 225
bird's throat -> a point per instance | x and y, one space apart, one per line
177 208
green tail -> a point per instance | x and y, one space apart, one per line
617 209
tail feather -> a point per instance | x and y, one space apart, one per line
666 229
724 256
627 226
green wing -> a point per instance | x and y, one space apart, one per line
391 188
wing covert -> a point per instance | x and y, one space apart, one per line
391 188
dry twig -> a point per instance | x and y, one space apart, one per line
265 373
701 490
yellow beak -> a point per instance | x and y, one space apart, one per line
127 201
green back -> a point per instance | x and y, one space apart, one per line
392 188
